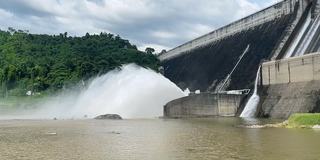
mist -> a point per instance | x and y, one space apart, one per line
131 91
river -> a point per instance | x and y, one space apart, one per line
156 139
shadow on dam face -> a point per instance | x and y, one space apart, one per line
205 67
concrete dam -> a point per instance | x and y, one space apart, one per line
226 61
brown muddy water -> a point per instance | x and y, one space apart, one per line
153 139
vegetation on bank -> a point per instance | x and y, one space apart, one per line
298 120
47 63
304 120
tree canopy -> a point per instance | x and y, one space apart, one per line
33 62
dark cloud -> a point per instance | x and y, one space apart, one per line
19 8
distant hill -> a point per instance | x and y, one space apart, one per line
32 62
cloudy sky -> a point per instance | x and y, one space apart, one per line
161 24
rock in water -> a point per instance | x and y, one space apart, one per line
109 116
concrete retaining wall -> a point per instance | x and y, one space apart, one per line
291 70
276 11
282 100
203 105
290 86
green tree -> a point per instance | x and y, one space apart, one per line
149 50
51 62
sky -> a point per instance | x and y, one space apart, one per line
161 24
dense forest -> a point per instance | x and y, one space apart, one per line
47 63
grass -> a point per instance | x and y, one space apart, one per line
304 120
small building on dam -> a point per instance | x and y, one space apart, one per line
282 40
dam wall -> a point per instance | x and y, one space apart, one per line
228 58
203 105
205 68
290 86
266 15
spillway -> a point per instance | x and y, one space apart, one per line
311 35
299 38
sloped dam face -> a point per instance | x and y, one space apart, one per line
229 58
205 67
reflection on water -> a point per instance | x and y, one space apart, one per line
219 138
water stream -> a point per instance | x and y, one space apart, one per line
251 106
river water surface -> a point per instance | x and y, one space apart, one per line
153 139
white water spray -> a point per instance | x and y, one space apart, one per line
132 92
251 107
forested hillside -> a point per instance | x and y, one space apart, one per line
31 62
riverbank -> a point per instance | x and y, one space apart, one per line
304 120
298 120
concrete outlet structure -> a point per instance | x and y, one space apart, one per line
204 105
290 86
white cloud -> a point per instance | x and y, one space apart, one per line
164 34
161 23
4 14
197 30
246 8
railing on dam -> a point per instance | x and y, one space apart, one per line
276 11
297 69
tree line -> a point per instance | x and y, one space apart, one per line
38 63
